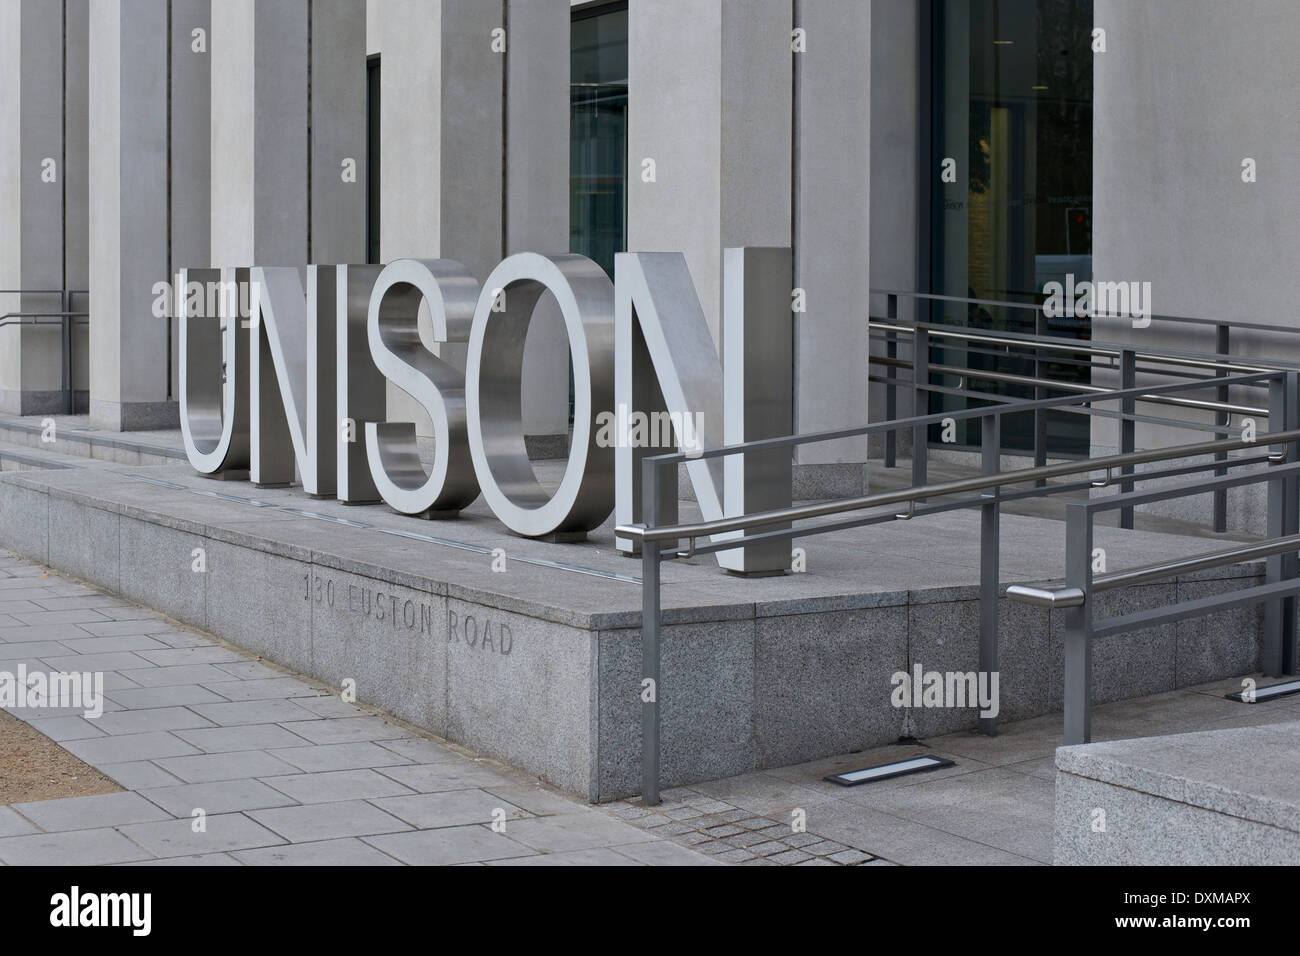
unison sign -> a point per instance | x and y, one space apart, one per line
302 381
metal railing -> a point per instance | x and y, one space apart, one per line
1123 360
66 318
1278 593
985 492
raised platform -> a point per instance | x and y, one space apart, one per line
1213 798
539 665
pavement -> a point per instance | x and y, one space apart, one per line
285 772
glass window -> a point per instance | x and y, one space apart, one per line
1012 88
598 134
372 159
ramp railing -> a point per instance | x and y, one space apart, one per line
987 492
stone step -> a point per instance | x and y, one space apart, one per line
72 437
1217 797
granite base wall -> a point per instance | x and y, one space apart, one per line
744 687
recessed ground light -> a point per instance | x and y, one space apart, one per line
886 771
1271 692
1003 42
1038 88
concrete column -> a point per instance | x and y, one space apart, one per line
76 189
833 239
128 214
441 152
338 131
709 104
32 183
896 189
190 146
259 133
537 198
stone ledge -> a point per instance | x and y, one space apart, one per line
1247 772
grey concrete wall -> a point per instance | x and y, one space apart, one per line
1176 112
128 215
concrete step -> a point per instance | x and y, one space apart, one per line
72 436
24 458
1218 797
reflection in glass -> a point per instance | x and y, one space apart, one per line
1013 106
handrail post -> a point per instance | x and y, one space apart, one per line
990 455
891 386
1127 426
1291 519
1078 625
69 368
920 405
1221 345
1274 610
1040 414
650 652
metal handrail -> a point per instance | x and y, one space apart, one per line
1053 595
1283 389
1109 463
1032 381
66 319
1038 307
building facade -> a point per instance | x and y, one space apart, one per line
977 149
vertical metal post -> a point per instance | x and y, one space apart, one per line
1290 524
920 405
1040 414
1127 426
891 386
1078 625
69 369
650 655
1221 345
990 454
1276 628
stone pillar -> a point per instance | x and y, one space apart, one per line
537 198
128 215
259 133
338 132
442 141
190 146
832 241
896 189
34 155
76 189
709 90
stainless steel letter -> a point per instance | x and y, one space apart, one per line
361 390
292 392
392 327
213 371
492 385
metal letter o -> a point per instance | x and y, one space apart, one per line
493 394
